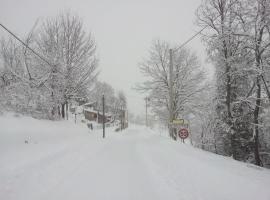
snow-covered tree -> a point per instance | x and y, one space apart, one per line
115 103
188 80
237 39
21 85
72 53
41 85
99 89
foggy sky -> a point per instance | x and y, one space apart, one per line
123 31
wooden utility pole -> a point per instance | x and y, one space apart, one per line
103 110
171 92
127 118
122 118
66 110
146 119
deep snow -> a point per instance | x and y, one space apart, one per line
63 161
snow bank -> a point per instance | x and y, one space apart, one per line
196 174
21 137
63 160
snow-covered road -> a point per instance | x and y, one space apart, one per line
72 163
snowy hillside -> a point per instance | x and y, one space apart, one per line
62 161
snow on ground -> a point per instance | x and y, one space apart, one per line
63 160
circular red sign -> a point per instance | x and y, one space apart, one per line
183 133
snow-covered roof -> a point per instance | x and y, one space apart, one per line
90 110
94 111
89 103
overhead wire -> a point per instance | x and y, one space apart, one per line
190 39
194 35
32 50
198 32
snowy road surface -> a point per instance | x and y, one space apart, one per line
63 161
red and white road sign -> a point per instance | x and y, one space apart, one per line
183 133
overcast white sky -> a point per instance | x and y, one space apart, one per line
123 30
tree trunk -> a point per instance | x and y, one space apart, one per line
258 101
66 109
63 110
227 56
202 140
228 104
256 123
59 110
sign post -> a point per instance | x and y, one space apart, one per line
183 134
178 121
103 112
174 126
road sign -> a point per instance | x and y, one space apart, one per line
178 121
183 133
179 126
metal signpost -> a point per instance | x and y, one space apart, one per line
178 121
103 109
181 128
183 134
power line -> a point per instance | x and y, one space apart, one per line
190 39
33 51
197 33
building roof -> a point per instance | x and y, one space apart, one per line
96 112
89 103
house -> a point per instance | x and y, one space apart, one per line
92 113
75 103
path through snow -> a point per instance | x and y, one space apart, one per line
67 162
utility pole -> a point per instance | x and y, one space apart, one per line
127 118
146 110
103 109
121 117
146 120
171 92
